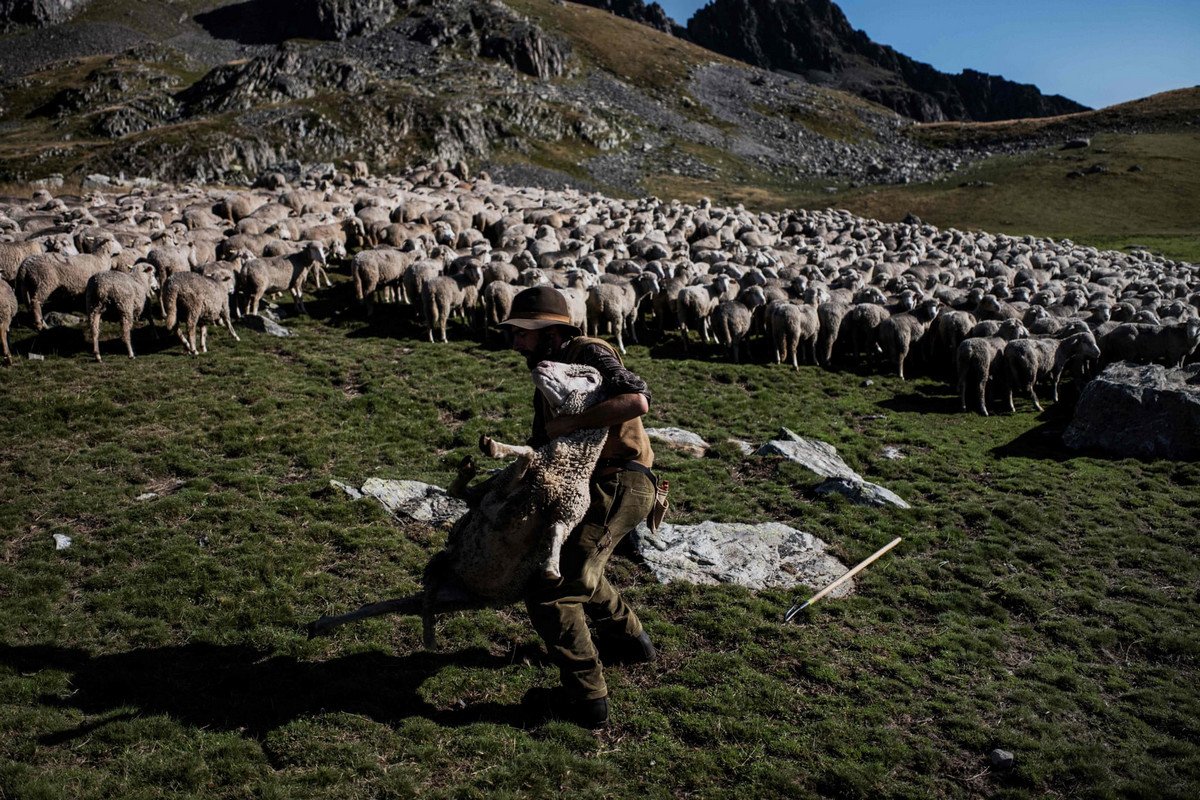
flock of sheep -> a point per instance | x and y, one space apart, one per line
825 287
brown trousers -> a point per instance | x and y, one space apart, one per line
559 610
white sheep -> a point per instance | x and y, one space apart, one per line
900 332
518 518
41 276
1143 344
8 310
123 293
1028 360
615 304
444 294
193 300
730 323
792 328
279 273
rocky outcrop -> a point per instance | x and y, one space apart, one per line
37 13
814 38
768 555
651 14
490 31
1140 411
341 19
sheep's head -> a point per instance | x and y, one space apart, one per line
568 388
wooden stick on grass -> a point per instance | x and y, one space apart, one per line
794 610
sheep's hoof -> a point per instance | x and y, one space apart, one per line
487 446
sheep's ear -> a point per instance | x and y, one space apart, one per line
149 268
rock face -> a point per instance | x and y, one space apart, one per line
814 38
1140 411
38 13
651 14
341 19
766 556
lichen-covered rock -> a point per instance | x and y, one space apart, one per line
415 500
38 13
820 457
679 439
340 19
1138 411
769 555
861 493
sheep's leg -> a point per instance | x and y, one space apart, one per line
204 337
94 322
126 335
1033 394
4 344
229 326
494 449
620 344
558 534
190 341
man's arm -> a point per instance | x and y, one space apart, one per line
604 414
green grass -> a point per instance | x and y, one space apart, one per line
1042 601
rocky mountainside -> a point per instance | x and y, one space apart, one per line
813 38
534 91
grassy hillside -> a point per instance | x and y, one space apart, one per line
1042 601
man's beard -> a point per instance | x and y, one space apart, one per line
545 351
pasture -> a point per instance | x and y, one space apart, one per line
1042 601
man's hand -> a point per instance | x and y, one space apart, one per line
605 414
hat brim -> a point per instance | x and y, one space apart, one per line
538 324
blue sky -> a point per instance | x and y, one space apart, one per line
1096 52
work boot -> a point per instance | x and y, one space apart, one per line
621 649
542 704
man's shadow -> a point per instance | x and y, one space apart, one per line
239 688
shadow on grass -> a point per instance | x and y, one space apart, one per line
924 399
239 688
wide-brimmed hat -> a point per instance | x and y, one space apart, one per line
540 307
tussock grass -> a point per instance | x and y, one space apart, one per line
1042 601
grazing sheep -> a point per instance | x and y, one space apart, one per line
13 253
518 519
1028 360
830 314
278 274
974 360
730 324
863 321
696 303
381 270
616 304
8 310
195 300
125 293
792 326
1140 343
900 332
443 294
497 301
40 276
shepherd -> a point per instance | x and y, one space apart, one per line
623 489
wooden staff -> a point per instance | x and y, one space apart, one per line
794 610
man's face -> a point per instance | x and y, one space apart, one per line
537 346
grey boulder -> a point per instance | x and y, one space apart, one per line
860 492
679 439
768 555
415 500
1140 411
820 457
264 324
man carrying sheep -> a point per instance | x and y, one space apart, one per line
622 495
